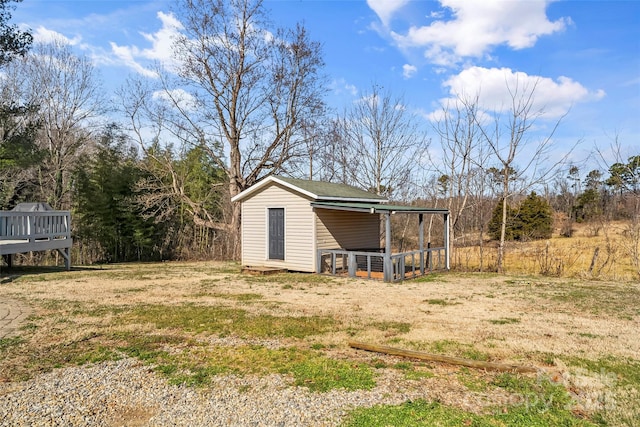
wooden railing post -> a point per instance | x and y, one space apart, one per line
351 264
31 227
421 239
387 266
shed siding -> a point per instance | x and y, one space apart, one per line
337 229
298 218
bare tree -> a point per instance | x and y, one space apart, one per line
19 152
522 156
331 156
243 92
17 129
460 155
384 141
163 191
623 165
67 92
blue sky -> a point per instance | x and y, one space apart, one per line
584 55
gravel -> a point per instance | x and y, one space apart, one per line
129 393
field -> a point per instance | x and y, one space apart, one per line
193 322
595 251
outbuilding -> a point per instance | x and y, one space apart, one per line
322 227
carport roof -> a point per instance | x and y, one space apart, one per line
377 208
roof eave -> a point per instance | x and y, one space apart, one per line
350 199
377 208
244 194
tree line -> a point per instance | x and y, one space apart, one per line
243 99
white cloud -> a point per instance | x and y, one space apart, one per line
160 50
494 88
476 27
162 41
340 86
409 71
386 8
183 99
127 56
46 36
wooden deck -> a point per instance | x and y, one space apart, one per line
22 232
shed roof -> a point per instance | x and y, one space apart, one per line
317 190
377 208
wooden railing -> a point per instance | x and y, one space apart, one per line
33 226
371 263
22 232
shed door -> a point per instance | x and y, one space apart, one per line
276 233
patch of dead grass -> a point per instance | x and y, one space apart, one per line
511 319
560 256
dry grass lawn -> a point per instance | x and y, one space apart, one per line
583 333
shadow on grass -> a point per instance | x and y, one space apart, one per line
8 275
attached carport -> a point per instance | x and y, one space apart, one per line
394 265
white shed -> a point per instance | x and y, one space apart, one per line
313 226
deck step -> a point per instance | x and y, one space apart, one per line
262 271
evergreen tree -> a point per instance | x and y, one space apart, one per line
202 176
13 42
107 222
534 219
588 205
625 177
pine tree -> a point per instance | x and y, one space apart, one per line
531 221
106 219
535 219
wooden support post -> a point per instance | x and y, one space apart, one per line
333 263
443 359
351 264
421 238
446 242
388 267
66 255
8 259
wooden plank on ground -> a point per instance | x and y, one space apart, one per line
442 359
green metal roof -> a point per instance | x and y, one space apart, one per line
377 208
330 190
316 190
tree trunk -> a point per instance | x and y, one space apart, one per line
503 233
234 232
481 243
